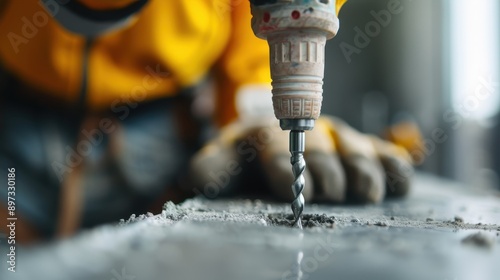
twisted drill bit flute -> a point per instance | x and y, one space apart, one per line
297 147
296 31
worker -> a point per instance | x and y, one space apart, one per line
108 107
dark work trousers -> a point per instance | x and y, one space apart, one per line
127 155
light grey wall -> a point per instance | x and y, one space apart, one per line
401 69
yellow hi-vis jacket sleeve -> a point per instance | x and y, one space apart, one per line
166 46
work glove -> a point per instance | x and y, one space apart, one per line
342 163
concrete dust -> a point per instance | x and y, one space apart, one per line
272 214
308 220
134 218
427 208
381 224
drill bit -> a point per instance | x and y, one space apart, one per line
296 31
297 147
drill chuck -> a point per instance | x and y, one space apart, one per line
296 31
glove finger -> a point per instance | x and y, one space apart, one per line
324 164
213 170
224 165
328 175
365 180
275 160
396 163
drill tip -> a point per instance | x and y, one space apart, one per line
298 223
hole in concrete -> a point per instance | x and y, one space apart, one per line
308 220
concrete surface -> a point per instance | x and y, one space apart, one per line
441 231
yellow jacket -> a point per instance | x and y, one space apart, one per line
184 38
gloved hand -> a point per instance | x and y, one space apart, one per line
342 163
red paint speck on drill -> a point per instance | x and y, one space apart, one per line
267 17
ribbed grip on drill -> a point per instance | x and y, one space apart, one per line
291 101
297 70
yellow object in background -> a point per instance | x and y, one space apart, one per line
339 4
407 135
168 46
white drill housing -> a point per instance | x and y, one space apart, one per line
296 31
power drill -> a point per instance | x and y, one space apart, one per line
296 31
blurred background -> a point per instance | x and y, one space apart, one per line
432 61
